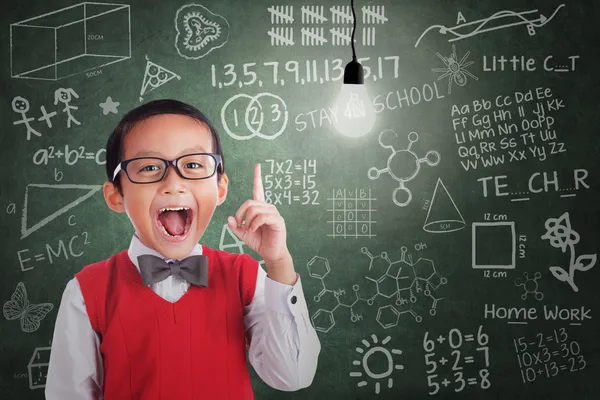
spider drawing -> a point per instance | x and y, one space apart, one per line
455 71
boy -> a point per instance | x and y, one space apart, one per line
136 326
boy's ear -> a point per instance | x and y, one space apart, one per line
222 189
113 198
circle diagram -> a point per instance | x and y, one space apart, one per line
264 115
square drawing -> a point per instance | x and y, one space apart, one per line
493 245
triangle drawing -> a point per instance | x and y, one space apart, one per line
443 216
155 76
232 242
90 190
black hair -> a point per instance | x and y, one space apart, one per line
114 145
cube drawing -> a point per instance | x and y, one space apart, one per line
38 367
70 41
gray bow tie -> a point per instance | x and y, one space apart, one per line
193 269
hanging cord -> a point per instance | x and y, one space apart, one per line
353 29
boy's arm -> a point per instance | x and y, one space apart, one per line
75 366
284 347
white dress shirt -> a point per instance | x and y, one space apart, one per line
284 346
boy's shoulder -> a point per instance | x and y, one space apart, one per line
102 266
221 254
97 277
227 259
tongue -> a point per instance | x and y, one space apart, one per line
173 221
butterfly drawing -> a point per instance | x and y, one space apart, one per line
30 314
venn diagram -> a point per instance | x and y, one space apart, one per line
264 115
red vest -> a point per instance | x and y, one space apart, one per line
153 349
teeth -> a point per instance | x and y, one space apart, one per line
173 209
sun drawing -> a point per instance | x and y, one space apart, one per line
377 370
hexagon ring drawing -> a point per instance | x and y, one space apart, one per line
403 165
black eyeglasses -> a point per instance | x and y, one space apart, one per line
154 169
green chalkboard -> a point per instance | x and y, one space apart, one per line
450 251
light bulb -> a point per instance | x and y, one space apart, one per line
355 112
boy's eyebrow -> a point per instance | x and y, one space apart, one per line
198 149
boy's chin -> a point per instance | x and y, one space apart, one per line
176 250
177 247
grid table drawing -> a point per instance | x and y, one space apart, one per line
352 212
70 40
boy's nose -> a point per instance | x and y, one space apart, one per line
173 182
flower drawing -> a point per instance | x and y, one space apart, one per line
562 236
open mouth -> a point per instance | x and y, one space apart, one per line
175 222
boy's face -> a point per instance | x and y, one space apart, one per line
168 136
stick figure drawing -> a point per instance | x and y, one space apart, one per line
64 96
20 105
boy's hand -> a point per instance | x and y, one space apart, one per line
264 228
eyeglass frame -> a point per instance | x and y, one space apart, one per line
122 166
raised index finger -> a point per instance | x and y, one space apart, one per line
259 193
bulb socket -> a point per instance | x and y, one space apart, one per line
354 73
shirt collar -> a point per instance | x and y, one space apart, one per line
137 248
